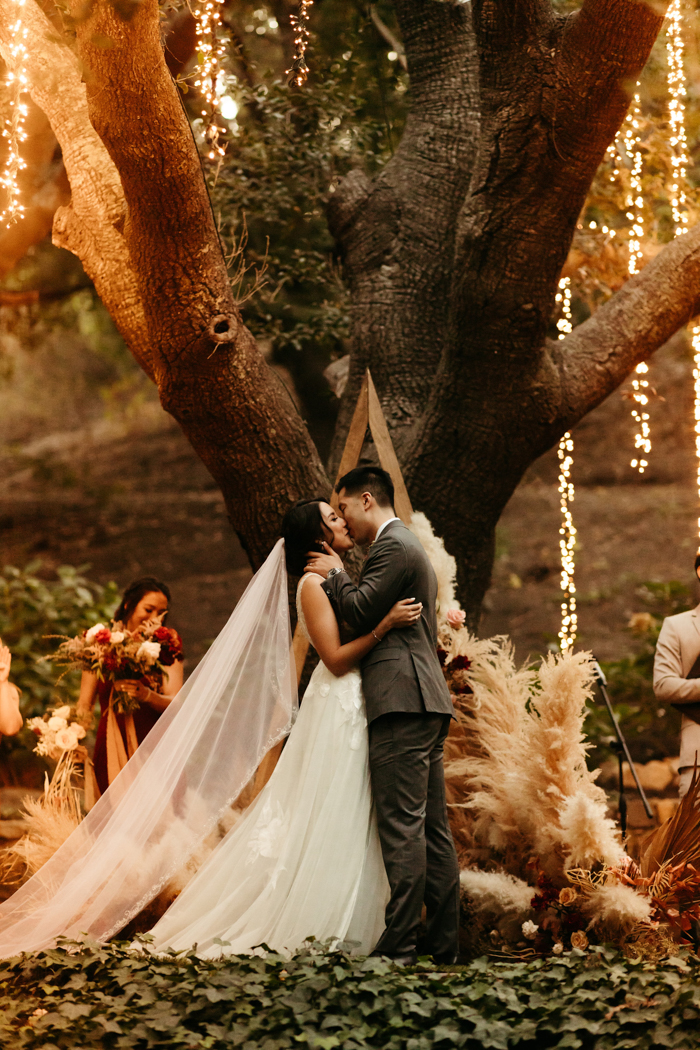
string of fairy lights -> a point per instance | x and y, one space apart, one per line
14 124
210 51
567 532
299 70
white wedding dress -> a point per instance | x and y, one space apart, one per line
304 860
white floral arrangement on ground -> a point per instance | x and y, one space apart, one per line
56 732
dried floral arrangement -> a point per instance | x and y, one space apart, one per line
543 866
114 654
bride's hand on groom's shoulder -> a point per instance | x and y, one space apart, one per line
323 563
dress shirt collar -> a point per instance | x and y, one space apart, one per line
383 526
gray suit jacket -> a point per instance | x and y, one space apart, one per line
402 673
677 649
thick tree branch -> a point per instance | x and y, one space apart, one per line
603 49
600 353
210 373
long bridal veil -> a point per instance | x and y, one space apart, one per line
239 702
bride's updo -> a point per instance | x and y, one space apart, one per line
303 529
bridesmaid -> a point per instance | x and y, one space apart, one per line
144 599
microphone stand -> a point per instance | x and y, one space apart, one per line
622 753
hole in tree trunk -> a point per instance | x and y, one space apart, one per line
222 328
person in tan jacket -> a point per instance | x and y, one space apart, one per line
677 651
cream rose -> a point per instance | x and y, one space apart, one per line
456 617
65 740
148 651
56 723
77 730
93 631
567 896
116 637
558 948
62 712
579 940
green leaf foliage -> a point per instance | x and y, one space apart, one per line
111 997
31 608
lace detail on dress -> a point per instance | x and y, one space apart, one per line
301 621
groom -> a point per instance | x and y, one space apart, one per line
408 713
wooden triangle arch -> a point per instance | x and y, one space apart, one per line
368 413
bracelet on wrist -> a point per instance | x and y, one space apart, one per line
375 635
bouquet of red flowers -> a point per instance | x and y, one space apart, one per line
114 654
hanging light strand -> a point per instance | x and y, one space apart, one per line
696 377
299 70
567 532
14 128
210 48
676 106
635 203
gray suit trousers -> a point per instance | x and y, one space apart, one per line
408 784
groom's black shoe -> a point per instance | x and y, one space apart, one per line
446 958
409 959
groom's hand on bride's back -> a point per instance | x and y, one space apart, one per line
323 563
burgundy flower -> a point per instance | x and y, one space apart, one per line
442 656
111 663
102 637
460 663
170 645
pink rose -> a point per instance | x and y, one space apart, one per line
456 618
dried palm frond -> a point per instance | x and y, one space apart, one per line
678 839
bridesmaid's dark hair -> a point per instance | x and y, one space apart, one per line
137 590
303 528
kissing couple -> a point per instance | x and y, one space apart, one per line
349 838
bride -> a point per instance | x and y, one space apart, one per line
304 860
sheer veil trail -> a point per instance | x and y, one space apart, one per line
239 702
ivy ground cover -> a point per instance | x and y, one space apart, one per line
113 998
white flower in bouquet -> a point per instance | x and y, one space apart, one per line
116 637
148 652
93 631
77 730
65 740
56 723
530 929
62 712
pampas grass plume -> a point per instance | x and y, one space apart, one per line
496 892
615 909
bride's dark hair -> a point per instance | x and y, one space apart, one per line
303 528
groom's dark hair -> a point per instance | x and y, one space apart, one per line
369 479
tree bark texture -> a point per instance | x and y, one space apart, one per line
141 223
454 252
